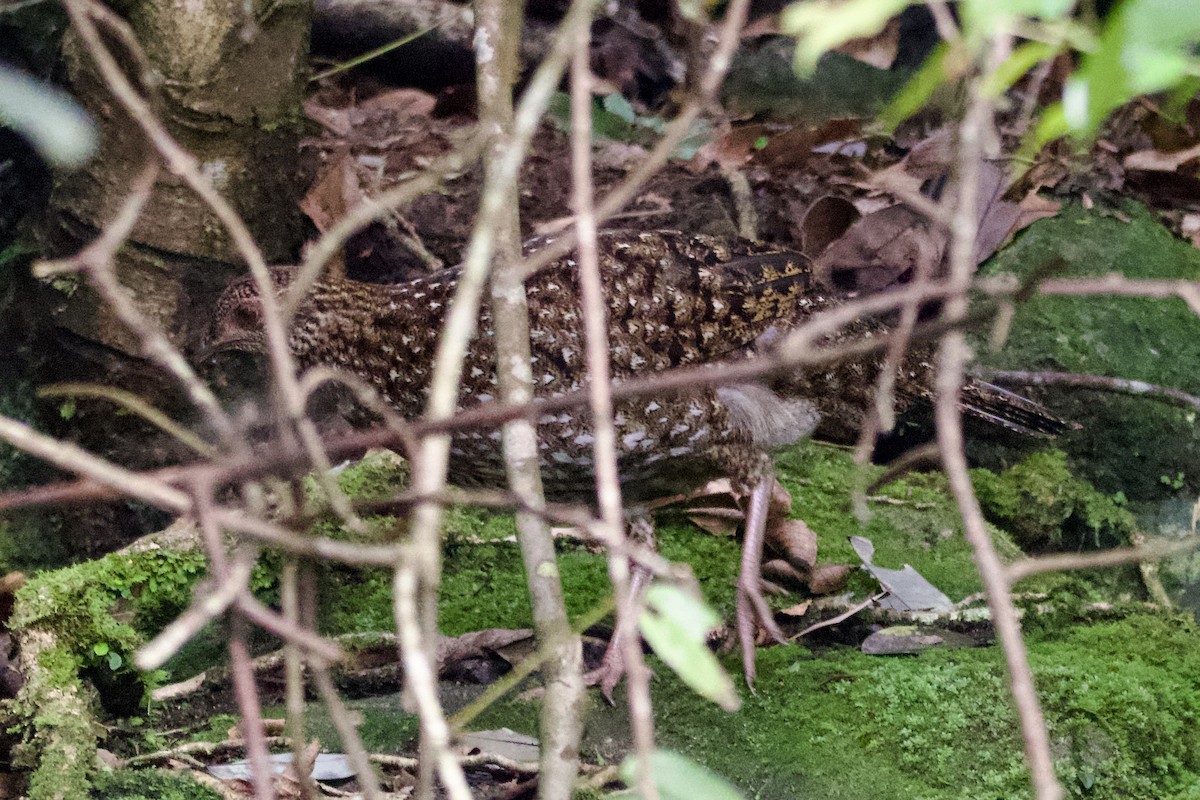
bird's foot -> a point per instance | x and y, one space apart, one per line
753 614
612 668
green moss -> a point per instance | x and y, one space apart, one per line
483 584
81 604
1119 697
1127 444
377 474
920 526
98 613
218 728
129 784
1044 506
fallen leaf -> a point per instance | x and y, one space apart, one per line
406 102
798 610
829 578
907 589
795 541
501 742
824 222
781 572
879 50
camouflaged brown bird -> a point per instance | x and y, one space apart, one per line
673 300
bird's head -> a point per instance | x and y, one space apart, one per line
238 319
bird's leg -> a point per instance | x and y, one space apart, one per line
612 666
751 605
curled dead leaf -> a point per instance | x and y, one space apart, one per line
829 578
796 542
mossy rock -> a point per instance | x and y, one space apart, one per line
1045 507
1127 444
129 784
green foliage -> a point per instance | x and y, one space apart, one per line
679 778
821 25
218 728
1145 46
1044 506
83 605
129 784
676 626
614 118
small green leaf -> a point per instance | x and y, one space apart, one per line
100 648
679 778
917 90
115 661
761 143
821 25
67 409
618 105
675 625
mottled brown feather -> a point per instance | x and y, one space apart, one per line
672 300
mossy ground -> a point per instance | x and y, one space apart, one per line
1132 445
1119 694
846 725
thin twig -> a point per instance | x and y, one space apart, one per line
604 446
135 405
421 680
1117 556
1100 383
1115 284
952 358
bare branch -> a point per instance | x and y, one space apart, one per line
952 358
1100 383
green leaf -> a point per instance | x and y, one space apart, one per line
679 778
115 661
1146 46
821 25
100 648
616 104
48 117
917 91
982 18
675 625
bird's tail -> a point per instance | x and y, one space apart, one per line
1009 410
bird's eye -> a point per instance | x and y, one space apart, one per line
246 317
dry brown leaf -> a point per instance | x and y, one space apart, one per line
798 610
829 578
333 193
405 102
795 541
730 151
880 250
781 573
716 526
337 120
824 222
879 50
